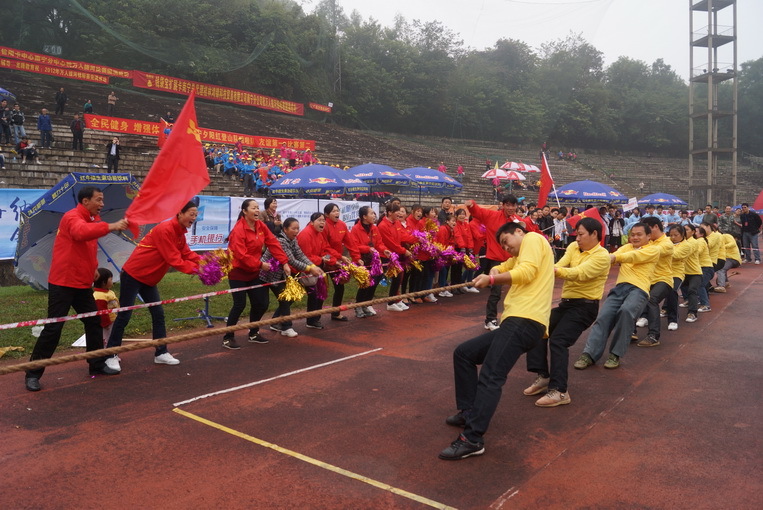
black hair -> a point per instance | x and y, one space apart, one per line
245 206
509 199
591 225
392 207
509 228
563 210
363 211
651 221
103 276
269 201
315 216
288 221
460 211
329 207
188 206
745 204
426 210
414 207
691 226
642 225
87 192
446 198
678 228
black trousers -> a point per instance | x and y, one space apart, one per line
60 300
112 162
336 300
658 292
568 321
258 299
491 308
313 303
77 140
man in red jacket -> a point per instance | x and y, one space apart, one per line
70 282
493 220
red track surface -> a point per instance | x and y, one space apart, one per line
676 426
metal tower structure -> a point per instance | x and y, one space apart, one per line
713 116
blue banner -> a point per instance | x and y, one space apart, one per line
12 201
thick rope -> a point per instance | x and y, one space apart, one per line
60 360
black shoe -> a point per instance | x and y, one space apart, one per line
457 420
104 370
32 383
462 448
339 318
256 338
317 325
230 343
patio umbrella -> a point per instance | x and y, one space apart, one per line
515 176
432 182
521 167
664 199
5 94
588 192
39 223
382 177
495 173
318 180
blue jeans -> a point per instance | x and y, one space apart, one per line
707 275
129 288
18 132
750 246
497 351
618 314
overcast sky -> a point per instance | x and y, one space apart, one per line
640 29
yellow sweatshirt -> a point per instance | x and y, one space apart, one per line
692 261
681 253
732 250
714 245
663 271
584 272
703 251
637 265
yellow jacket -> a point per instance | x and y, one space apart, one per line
584 272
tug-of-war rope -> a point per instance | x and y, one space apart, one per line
60 360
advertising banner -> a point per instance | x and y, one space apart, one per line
60 72
39 58
320 107
12 201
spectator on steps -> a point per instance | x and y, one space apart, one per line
45 127
27 150
61 100
88 107
112 155
78 132
5 122
17 123
112 103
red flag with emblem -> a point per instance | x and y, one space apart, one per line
588 213
178 174
546 182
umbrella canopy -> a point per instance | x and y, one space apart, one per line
433 181
588 192
664 199
5 94
318 180
515 176
495 173
382 177
39 224
521 167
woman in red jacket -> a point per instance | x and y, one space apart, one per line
247 240
396 238
464 245
365 235
164 247
317 249
337 234
448 236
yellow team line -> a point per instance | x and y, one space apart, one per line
315 462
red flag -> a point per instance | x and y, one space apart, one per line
163 133
588 213
178 174
546 182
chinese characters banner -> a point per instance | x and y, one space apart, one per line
53 71
12 201
141 127
59 62
320 107
214 92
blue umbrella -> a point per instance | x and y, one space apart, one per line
39 223
588 192
318 180
382 176
5 94
664 199
433 181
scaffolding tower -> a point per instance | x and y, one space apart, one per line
713 116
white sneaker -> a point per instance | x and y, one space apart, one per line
672 326
289 332
403 306
445 293
394 308
757 262
113 363
369 310
491 325
473 290
683 305
166 359
430 298
642 322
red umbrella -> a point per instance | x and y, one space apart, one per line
522 167
515 176
495 173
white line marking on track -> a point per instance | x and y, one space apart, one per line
249 385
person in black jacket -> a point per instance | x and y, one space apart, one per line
78 132
750 223
112 155
61 99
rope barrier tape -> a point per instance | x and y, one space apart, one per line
60 360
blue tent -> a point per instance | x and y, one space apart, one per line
38 225
318 180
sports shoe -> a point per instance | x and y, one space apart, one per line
256 338
289 332
458 420
634 337
642 322
757 262
166 359
683 305
359 313
491 325
613 361
394 308
473 290
230 343
32 383
704 308
672 326
583 362
314 325
462 448
539 385
113 363
663 313
445 293
691 318
553 398
369 310
649 341
276 327
429 298
721 290
403 306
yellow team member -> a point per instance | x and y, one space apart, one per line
661 283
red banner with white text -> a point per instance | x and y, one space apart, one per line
143 127
38 58
214 92
61 72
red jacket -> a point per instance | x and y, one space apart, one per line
364 240
247 246
465 231
394 235
478 234
314 246
493 220
162 248
412 223
75 249
448 236
337 234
